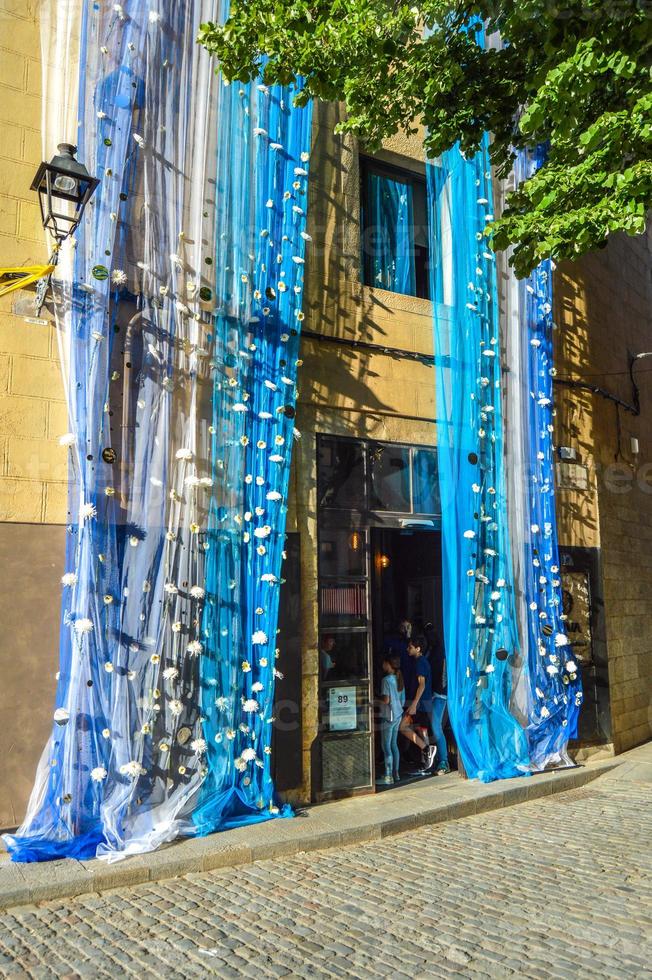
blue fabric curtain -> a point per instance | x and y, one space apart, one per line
389 234
481 637
253 421
553 675
181 320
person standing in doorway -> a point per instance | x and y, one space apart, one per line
418 709
439 704
392 696
397 644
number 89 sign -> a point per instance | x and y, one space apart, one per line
342 709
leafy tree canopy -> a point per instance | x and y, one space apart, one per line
573 74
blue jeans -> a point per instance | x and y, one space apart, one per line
438 709
389 742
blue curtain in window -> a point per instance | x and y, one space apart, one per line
389 234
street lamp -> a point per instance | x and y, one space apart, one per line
64 187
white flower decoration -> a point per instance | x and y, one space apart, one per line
132 769
250 705
195 647
98 774
198 746
259 638
69 579
176 707
197 592
67 439
83 625
87 511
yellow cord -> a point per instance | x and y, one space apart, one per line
21 276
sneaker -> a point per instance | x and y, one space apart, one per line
428 756
397 777
443 769
385 780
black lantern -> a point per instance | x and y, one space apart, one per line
65 187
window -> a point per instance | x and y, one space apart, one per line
394 229
389 469
341 475
358 477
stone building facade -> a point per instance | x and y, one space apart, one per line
366 384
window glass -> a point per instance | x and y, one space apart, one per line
340 465
389 468
389 234
342 552
425 482
343 603
345 761
394 229
343 657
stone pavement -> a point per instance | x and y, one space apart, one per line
556 887
337 824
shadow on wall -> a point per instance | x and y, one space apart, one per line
338 305
577 502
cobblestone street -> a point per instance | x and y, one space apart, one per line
560 887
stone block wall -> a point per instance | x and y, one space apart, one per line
604 311
33 467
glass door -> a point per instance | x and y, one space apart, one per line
344 661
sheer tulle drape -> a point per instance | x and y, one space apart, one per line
514 691
262 226
554 687
165 336
481 637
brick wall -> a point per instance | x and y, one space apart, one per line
604 308
32 410
33 467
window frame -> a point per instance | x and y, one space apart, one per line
370 164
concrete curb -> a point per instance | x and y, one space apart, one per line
331 825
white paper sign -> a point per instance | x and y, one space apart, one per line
342 709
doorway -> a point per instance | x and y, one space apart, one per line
406 569
374 499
